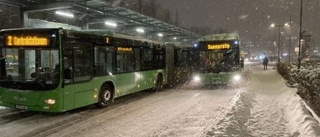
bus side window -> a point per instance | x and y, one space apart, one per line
103 58
147 57
120 63
2 67
137 57
67 74
80 55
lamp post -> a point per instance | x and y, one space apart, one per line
289 48
279 36
300 35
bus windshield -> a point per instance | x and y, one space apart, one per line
31 69
217 61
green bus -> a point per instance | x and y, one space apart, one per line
56 70
217 59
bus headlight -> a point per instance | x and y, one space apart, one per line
50 101
196 78
236 78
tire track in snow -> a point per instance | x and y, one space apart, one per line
192 121
14 115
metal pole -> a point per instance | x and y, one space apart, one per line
289 50
299 57
279 43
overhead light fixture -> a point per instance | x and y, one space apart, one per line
140 30
272 25
111 24
174 38
160 35
67 14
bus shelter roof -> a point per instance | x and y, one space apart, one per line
92 14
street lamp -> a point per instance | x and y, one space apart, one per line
279 35
300 33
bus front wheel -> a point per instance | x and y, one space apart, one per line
105 97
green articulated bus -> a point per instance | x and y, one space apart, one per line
217 59
56 70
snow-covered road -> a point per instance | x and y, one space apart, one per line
261 107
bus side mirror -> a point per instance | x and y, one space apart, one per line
67 74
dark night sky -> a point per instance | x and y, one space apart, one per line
250 18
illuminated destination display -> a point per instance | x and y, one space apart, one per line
124 49
27 41
218 46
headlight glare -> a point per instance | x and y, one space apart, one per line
50 101
196 78
236 77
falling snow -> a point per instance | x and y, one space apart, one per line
261 106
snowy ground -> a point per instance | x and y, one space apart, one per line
266 108
261 107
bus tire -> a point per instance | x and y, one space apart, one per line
105 97
159 83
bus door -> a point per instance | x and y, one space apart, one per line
77 75
126 80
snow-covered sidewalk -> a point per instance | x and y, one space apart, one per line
266 107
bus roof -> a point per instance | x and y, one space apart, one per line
94 32
219 37
180 44
119 35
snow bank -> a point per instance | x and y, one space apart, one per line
239 120
308 81
267 108
300 121
234 122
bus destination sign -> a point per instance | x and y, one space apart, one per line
218 46
124 49
26 41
